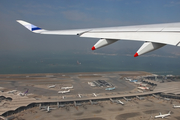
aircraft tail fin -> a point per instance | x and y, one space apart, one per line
169 112
30 26
26 92
160 113
48 109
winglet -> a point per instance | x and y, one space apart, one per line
30 26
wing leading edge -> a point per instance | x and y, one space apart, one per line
155 36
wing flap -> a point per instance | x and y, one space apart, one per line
171 38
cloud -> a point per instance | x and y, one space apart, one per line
172 4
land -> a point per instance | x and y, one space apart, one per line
132 110
40 93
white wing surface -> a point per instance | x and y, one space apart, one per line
155 35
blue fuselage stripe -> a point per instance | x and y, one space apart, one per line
36 28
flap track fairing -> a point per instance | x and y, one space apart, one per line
148 47
102 43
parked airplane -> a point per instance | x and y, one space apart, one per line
60 105
127 99
143 85
140 98
140 91
93 102
120 102
77 104
12 91
48 109
163 115
67 87
95 95
80 96
112 100
110 88
166 99
155 96
63 97
62 92
176 106
20 94
23 94
51 86
42 107
128 79
155 35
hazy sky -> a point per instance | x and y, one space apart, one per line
68 14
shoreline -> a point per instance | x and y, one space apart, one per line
70 73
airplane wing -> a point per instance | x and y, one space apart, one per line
154 36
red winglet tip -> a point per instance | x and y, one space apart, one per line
93 48
135 55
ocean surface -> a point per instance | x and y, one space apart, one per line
67 63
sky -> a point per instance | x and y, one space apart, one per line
15 40
68 14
